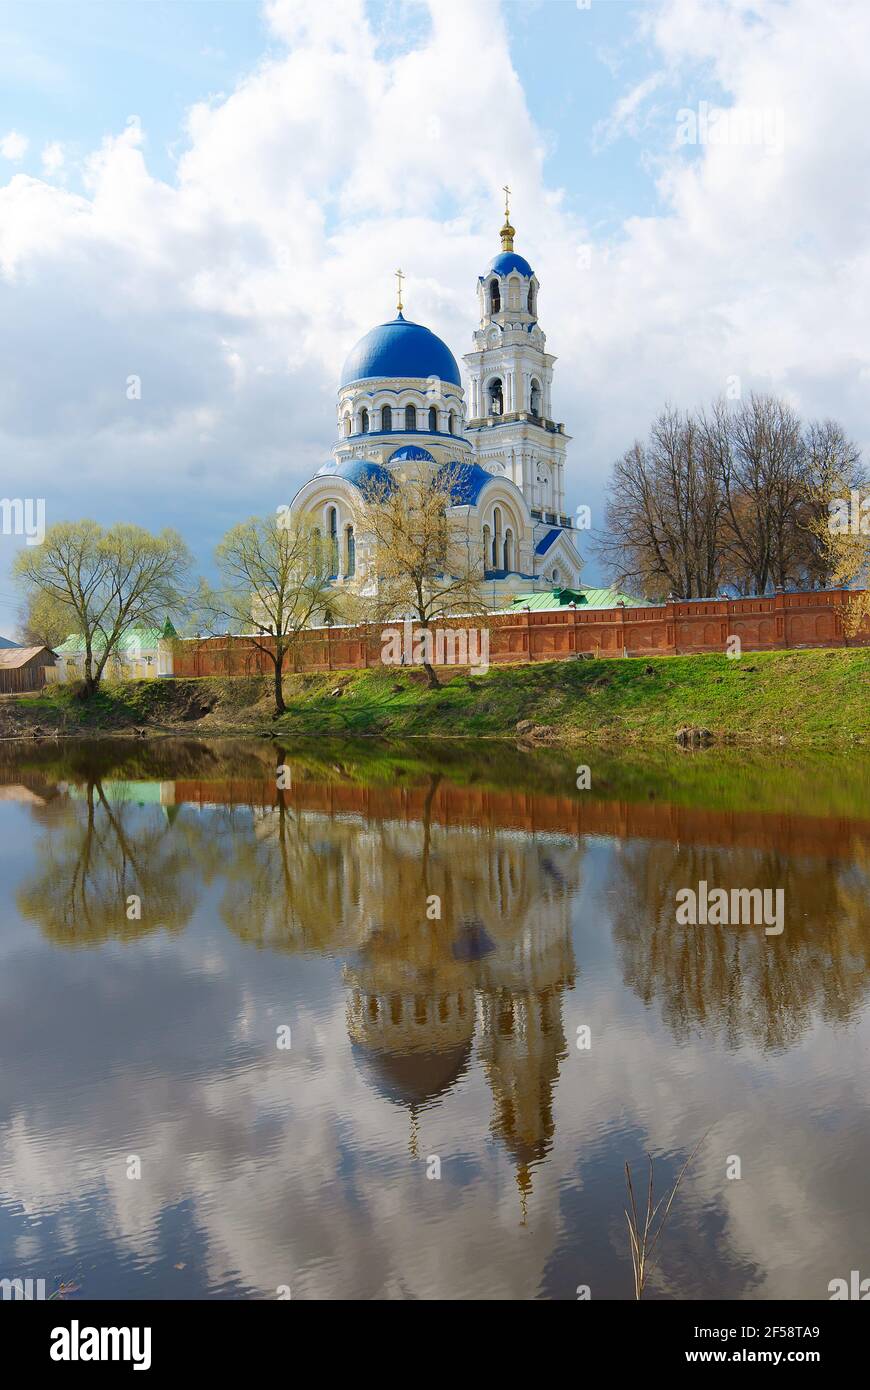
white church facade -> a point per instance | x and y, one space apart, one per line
402 405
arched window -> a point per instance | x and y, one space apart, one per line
364 421
332 517
487 547
496 537
410 417
494 297
347 424
508 549
451 423
433 418
496 399
386 417
535 401
350 569
531 299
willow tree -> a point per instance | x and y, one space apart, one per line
427 561
42 621
104 581
273 586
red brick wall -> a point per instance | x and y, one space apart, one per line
538 813
812 619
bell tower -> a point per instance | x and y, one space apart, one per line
511 428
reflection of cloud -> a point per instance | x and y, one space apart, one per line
299 1174
295 1169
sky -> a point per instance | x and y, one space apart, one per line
213 198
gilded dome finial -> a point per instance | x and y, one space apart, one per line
400 275
507 232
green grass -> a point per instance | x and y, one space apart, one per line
818 697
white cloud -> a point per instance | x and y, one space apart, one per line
624 117
14 146
52 158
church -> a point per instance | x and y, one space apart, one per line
402 405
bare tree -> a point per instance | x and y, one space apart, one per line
427 561
664 509
761 476
273 586
737 495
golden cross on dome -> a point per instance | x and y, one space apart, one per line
507 194
400 275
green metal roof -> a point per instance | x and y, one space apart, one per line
583 598
134 637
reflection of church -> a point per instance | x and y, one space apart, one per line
491 970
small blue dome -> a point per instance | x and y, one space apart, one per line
467 481
508 261
360 472
398 349
411 454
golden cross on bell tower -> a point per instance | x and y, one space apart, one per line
400 275
507 232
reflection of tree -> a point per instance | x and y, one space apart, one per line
292 880
98 851
735 981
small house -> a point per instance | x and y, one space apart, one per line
24 668
140 654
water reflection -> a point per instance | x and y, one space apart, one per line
435 934
732 982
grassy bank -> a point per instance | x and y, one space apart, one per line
803 697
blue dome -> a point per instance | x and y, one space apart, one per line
411 454
508 261
397 349
467 481
360 472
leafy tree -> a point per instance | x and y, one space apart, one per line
835 534
42 620
105 581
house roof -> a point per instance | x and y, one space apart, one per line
583 598
135 638
13 657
